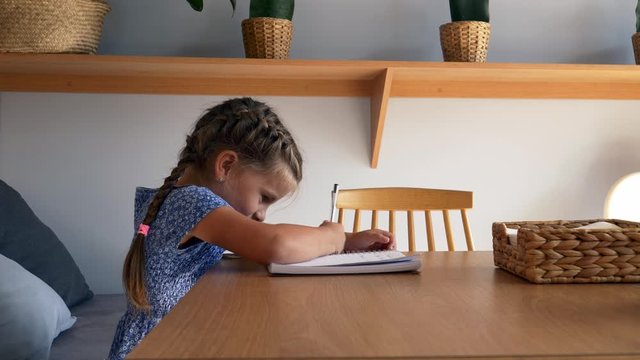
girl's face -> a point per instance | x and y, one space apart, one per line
251 192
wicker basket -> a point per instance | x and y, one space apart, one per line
267 38
465 41
635 39
557 252
48 26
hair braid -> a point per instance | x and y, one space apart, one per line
133 269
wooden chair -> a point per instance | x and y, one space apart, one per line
409 200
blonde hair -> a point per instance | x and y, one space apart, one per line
246 126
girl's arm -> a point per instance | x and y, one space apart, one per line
268 243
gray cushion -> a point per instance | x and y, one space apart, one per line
31 314
91 336
33 245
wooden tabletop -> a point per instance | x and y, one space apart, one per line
460 305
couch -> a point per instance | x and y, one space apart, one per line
90 337
47 310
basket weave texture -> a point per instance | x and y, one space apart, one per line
557 252
635 39
267 38
465 41
51 26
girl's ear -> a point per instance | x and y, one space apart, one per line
223 164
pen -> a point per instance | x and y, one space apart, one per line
334 200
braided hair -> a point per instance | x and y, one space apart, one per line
246 126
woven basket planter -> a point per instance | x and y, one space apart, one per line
48 26
465 41
557 252
267 38
635 39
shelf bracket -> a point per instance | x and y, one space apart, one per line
380 90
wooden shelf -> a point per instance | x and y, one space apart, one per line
378 80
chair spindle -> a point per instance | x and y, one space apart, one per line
447 229
467 229
410 230
429 224
392 222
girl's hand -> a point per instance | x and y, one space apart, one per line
374 239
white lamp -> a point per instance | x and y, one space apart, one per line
623 200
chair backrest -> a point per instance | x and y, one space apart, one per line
409 200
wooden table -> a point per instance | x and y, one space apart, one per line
460 305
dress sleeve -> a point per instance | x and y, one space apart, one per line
189 206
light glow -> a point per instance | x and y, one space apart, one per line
623 200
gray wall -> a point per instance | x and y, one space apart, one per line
547 31
77 158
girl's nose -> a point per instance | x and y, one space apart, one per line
258 216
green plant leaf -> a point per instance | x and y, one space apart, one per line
638 17
197 5
281 9
469 10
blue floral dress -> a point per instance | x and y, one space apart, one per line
169 272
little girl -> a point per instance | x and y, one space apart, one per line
238 160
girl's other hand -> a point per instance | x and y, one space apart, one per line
374 239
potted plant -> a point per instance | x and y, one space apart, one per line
635 39
268 31
466 37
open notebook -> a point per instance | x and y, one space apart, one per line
352 263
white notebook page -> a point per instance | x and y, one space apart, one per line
355 258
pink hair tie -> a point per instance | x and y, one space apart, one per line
143 229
